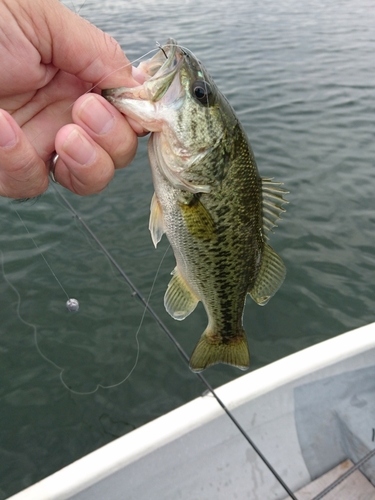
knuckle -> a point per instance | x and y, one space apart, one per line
23 174
113 47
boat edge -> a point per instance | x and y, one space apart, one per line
112 457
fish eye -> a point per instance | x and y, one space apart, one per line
202 91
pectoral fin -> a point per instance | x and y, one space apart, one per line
197 218
270 277
179 300
156 223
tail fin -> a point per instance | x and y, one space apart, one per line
212 349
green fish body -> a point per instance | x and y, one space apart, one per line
209 200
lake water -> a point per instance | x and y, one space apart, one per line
301 77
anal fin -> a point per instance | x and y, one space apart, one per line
179 300
270 278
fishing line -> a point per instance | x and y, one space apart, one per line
158 47
178 346
31 325
72 301
136 340
41 253
80 7
118 69
140 325
99 82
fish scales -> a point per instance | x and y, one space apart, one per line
215 256
209 200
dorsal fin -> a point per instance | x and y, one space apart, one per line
272 203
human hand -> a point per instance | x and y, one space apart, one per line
50 57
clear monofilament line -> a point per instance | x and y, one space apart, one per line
99 82
41 253
74 307
18 311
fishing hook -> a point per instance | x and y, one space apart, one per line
161 48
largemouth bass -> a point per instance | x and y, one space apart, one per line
209 200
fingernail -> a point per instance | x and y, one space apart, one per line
8 136
96 116
79 148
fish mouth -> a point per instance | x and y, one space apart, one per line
159 73
163 62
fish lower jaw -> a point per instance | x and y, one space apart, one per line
126 93
146 119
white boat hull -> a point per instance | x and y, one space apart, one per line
306 413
